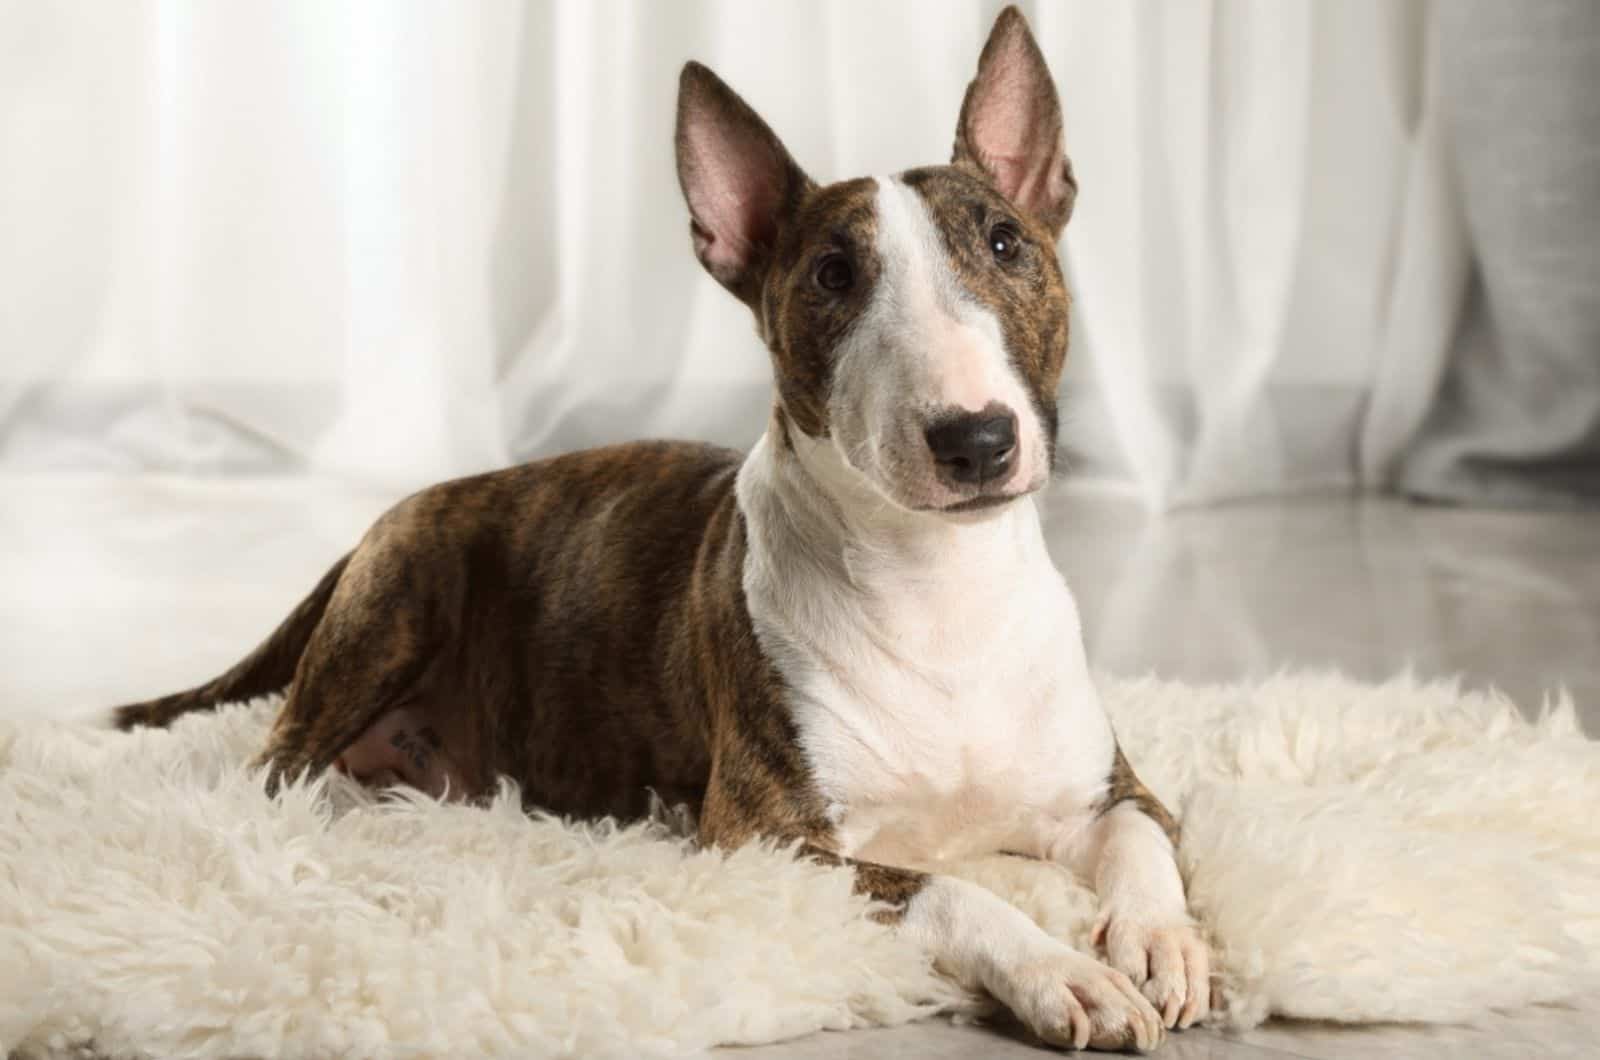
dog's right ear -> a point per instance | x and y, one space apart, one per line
737 178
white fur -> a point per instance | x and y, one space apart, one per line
1065 996
1355 852
935 667
922 346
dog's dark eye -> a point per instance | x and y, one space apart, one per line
835 274
1004 241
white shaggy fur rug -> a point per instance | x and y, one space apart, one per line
1398 852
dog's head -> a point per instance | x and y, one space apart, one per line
918 322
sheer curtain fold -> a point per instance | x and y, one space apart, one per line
1253 262
399 240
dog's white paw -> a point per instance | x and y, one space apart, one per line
1169 963
1070 999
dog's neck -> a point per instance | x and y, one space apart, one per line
806 508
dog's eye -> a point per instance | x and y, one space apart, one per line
1004 241
835 274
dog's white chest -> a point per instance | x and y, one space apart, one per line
957 720
934 672
964 757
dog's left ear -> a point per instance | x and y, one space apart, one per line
1010 126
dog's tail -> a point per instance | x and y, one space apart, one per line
269 668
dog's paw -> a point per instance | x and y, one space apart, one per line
1169 963
1070 999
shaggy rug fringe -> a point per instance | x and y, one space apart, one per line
1404 851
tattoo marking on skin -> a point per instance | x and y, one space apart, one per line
417 749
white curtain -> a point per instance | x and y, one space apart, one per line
400 240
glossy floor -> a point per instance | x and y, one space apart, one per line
112 589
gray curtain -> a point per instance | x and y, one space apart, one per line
1517 417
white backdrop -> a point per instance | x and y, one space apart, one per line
398 240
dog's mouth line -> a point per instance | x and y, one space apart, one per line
976 504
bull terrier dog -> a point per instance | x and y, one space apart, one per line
851 638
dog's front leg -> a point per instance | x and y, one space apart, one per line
1066 997
1144 927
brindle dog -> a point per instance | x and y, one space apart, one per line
852 637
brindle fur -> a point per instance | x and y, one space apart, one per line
1124 786
800 324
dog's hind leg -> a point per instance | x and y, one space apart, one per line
366 659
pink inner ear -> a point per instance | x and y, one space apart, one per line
733 194
1014 127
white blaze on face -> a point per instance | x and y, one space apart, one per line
924 347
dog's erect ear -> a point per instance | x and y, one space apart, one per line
737 178
1010 126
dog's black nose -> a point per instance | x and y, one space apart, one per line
974 447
